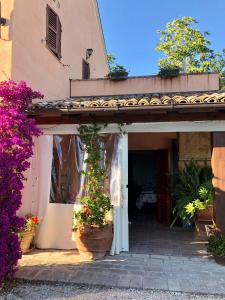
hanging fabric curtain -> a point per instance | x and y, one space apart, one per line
119 196
64 185
30 196
60 181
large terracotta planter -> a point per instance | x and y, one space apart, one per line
93 242
205 215
27 237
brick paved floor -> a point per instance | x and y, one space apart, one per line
160 258
142 271
148 236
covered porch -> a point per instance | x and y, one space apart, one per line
182 117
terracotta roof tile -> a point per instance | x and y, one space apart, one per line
185 99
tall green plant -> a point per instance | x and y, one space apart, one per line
185 185
181 41
95 200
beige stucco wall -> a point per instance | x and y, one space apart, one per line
142 85
6 40
195 145
31 59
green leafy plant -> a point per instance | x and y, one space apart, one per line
216 245
116 72
182 43
95 200
185 187
168 70
204 200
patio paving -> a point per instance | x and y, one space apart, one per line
148 236
128 270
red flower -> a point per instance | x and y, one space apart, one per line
35 220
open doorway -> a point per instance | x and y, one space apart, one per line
148 190
151 158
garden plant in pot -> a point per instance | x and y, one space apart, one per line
27 232
192 193
94 233
169 71
116 72
202 207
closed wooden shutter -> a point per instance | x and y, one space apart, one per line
53 32
86 70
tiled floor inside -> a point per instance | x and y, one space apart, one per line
148 236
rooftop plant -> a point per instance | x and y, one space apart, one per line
183 44
116 72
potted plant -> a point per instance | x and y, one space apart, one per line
216 247
27 232
191 191
94 233
202 207
116 72
169 71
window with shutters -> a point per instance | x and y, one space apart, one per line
53 32
86 70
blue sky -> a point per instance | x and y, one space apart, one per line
130 27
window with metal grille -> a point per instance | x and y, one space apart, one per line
53 32
86 70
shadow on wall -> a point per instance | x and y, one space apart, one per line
219 208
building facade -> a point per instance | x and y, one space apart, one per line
47 43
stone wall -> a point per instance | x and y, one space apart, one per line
195 145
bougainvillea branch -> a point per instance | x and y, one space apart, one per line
16 132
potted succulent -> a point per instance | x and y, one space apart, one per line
27 232
202 207
94 233
216 247
116 72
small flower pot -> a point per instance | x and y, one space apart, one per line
205 215
26 240
93 242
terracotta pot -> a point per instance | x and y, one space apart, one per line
27 237
205 215
93 242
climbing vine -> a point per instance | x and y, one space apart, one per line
95 200
16 132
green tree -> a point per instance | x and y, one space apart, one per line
181 43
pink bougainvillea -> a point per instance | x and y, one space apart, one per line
16 132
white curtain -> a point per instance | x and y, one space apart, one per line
118 198
55 230
30 196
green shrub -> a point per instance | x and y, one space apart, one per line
216 245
